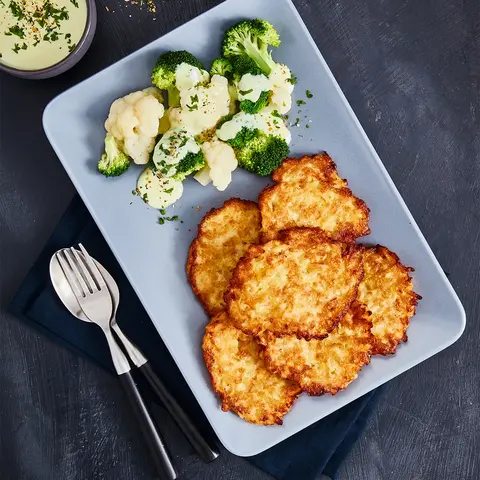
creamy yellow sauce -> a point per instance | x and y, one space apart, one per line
187 76
173 147
158 191
267 123
36 34
202 106
250 87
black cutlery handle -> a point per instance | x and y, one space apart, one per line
153 441
206 451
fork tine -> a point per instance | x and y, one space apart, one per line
98 277
71 279
73 265
84 272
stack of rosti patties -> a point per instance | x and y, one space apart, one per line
295 304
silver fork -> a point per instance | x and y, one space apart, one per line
94 298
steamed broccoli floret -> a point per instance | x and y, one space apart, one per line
242 65
163 74
259 152
248 106
221 66
191 163
113 162
252 38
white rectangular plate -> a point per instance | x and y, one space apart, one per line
153 256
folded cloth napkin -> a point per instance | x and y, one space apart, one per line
319 448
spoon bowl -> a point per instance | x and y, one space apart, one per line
65 293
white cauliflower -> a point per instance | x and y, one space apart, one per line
282 88
134 121
221 162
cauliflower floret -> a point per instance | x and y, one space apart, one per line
281 99
221 162
134 121
202 106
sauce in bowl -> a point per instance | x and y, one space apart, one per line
36 34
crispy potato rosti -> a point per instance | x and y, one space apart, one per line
302 285
387 292
327 365
224 235
240 378
309 193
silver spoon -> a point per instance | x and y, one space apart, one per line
206 450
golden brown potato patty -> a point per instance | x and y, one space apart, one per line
223 236
240 378
309 193
300 285
327 365
387 292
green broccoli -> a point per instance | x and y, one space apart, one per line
259 152
163 74
252 38
248 106
191 163
113 162
221 66
163 158
242 65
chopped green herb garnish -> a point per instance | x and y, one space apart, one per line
245 92
163 211
194 98
172 219
191 108
292 79
307 125
16 48
145 197
72 47
16 10
75 3
164 150
24 46
161 221
309 94
15 30
169 190
301 102
134 192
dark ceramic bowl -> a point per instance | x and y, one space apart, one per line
71 59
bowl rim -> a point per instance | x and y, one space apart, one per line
71 59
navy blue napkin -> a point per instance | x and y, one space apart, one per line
319 448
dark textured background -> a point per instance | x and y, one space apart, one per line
411 71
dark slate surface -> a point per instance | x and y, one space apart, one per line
411 71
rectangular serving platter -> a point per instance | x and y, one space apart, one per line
153 256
